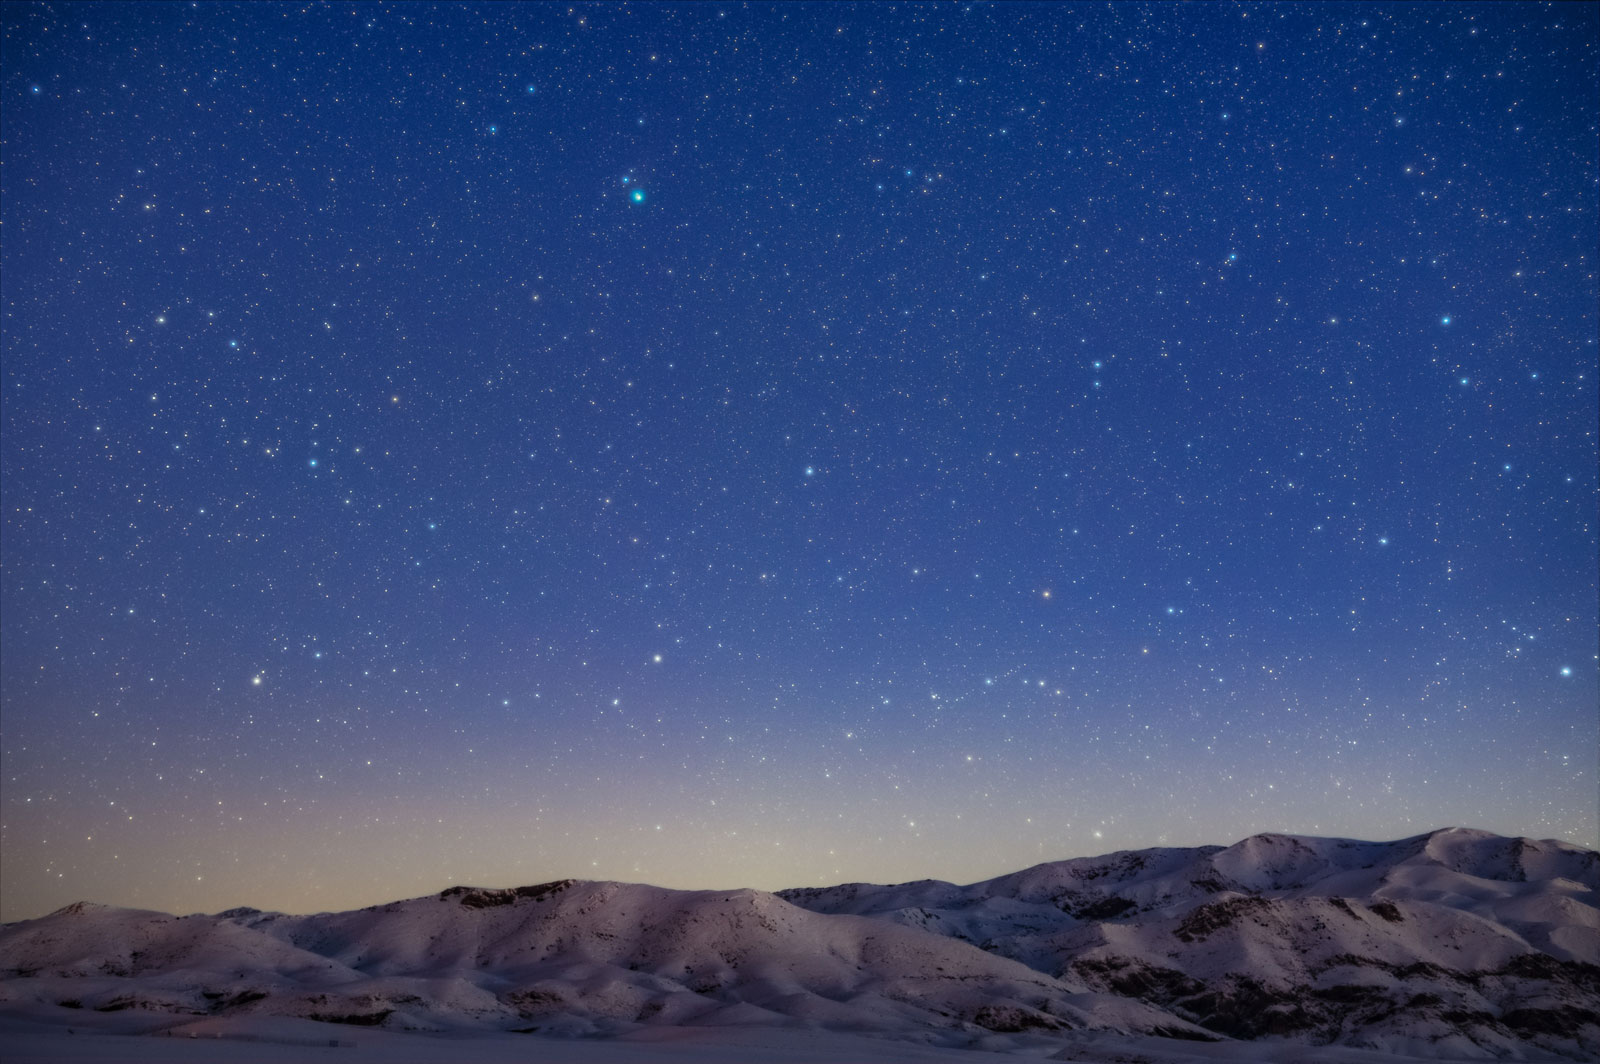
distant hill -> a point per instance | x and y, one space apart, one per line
1457 944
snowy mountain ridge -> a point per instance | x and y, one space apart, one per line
1457 943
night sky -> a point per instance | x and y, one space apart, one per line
769 445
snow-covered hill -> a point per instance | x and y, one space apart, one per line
1457 942
570 957
1453 944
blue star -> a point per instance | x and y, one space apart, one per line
493 130
530 90
1566 670
637 195
1445 320
811 471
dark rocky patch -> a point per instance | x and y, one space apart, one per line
1351 994
483 898
531 1003
1159 986
1243 1008
1010 1019
1565 1021
1216 915
1117 866
1544 966
244 997
1108 908
355 1019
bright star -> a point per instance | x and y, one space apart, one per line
811 471
1383 541
637 195
1445 320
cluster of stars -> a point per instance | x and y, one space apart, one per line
720 447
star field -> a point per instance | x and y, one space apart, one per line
770 445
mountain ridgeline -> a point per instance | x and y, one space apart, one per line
1458 944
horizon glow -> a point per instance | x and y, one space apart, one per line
1020 433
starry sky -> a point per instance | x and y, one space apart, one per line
782 444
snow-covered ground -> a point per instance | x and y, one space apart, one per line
290 1041
1452 945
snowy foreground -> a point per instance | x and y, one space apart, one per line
1457 945
290 1041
